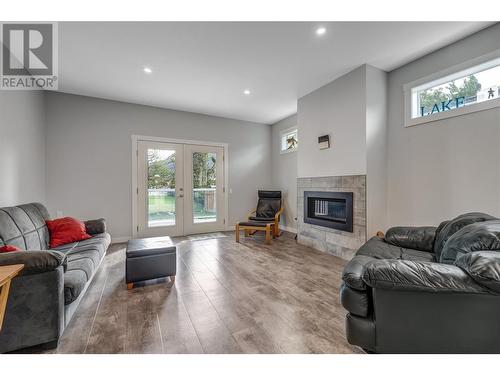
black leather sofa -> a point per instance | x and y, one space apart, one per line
427 289
45 295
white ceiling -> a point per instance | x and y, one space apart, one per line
205 66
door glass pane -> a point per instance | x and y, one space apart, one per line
204 187
161 188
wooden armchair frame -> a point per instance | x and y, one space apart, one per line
272 227
277 218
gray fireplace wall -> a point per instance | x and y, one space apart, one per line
333 241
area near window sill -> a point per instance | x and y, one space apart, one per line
478 64
453 113
288 151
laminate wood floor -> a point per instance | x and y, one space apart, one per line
228 297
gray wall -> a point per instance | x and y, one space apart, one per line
284 172
443 168
353 110
337 109
89 155
376 150
22 147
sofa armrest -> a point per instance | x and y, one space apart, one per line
418 238
35 310
35 261
95 226
407 275
353 272
483 267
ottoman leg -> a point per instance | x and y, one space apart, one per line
268 234
130 286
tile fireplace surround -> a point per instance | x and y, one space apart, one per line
333 241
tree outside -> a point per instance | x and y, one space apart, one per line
204 170
161 170
161 187
204 183
469 88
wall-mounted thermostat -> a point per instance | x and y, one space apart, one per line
324 142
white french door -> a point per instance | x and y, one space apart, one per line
179 189
204 181
160 193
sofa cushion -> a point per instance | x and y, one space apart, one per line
417 255
377 248
483 267
355 301
479 236
256 218
405 275
24 226
83 259
449 228
98 239
96 226
258 224
418 238
269 203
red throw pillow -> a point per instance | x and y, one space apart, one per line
9 249
66 230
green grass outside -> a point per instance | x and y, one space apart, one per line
162 207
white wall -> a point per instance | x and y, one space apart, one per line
22 147
443 168
284 172
376 150
89 155
337 109
353 111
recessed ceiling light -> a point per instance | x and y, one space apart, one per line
147 70
320 31
247 92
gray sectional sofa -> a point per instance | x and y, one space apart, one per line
46 294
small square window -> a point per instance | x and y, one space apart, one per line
289 140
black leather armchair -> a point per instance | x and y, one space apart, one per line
427 289
265 217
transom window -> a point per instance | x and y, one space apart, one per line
289 140
467 90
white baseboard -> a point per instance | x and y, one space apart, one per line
282 227
228 228
288 229
120 239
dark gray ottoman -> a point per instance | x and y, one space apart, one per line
150 258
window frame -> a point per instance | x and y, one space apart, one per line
472 66
283 133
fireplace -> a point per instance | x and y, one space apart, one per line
329 209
